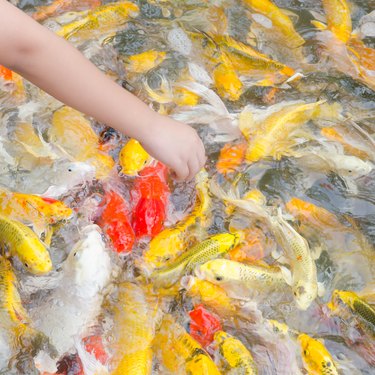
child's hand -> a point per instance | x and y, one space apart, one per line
176 145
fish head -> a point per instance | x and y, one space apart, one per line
341 298
133 158
88 265
217 271
35 257
220 337
354 166
304 294
59 210
315 356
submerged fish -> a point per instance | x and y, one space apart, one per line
134 327
203 325
236 357
25 244
271 133
230 158
16 330
316 358
179 351
211 295
33 209
232 276
213 247
104 19
145 61
280 22
72 307
114 220
165 246
133 158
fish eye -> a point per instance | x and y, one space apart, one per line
219 278
350 171
70 170
26 265
75 254
305 352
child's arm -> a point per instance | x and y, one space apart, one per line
55 66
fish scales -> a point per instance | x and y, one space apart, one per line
24 243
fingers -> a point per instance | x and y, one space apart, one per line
181 172
194 167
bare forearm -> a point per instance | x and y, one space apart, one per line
55 66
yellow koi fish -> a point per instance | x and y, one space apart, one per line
24 243
338 19
232 275
33 209
213 247
298 253
73 133
281 23
101 20
170 242
180 352
143 62
133 158
134 331
237 358
211 295
316 358
270 135
13 316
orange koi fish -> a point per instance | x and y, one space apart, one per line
231 157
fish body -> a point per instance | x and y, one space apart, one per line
133 331
227 82
316 358
230 158
24 243
228 273
104 18
310 214
213 247
338 18
133 158
209 294
270 135
166 245
33 209
72 132
145 61
280 21
6 73
347 305
203 325
115 222
297 251
237 358
179 351
72 307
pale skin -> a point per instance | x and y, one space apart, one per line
51 63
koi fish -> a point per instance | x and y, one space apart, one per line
338 19
133 158
213 247
25 244
115 222
232 275
59 6
17 332
316 358
280 22
72 307
165 246
179 351
203 325
133 331
73 133
236 357
271 136
103 19
33 209
210 295
5 73
230 158
227 83
143 62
